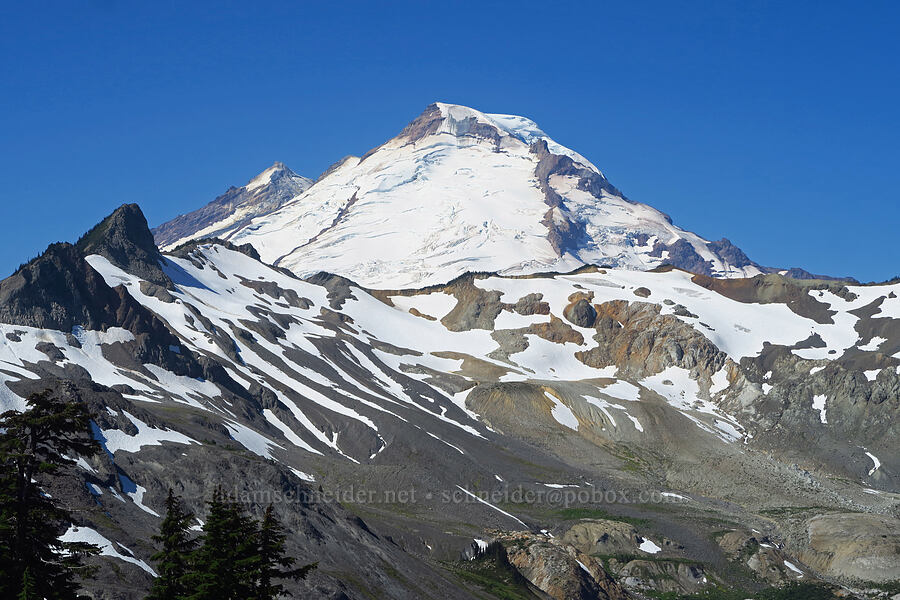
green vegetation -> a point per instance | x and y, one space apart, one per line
890 587
633 463
234 558
494 574
786 511
94 236
176 547
34 446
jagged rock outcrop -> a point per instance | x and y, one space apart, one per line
761 555
124 239
560 570
640 341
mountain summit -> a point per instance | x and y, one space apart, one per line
234 209
460 190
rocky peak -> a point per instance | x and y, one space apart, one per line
265 193
280 176
463 122
59 290
125 240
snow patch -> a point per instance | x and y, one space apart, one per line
562 413
115 440
90 536
818 404
875 461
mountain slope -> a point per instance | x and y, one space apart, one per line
766 403
264 194
459 190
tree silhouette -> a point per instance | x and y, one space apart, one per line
34 446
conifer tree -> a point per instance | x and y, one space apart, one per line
239 559
28 588
223 566
273 563
176 546
34 446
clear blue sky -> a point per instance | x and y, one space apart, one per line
773 124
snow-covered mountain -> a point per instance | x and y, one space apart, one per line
499 404
265 193
459 190
767 404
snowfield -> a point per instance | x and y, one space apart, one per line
419 212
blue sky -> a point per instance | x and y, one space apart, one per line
773 124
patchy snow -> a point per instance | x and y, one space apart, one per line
603 405
635 422
374 384
251 440
648 546
289 434
14 355
115 440
187 388
841 334
735 327
512 320
873 344
442 440
81 463
584 568
435 305
875 461
872 374
818 404
136 493
90 536
720 382
793 567
562 413
680 391
815 370
301 475
622 390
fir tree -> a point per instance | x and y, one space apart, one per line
34 445
28 588
173 558
222 567
273 563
